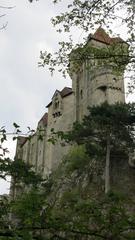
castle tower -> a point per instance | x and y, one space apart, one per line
95 79
98 80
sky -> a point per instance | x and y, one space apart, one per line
26 89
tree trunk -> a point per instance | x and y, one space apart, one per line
107 166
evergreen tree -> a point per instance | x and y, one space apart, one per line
106 129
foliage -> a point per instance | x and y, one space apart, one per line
106 130
28 207
88 16
46 213
3 7
117 120
4 211
20 171
70 58
32 1
101 219
58 211
74 215
76 159
115 56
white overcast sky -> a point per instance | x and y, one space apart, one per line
25 88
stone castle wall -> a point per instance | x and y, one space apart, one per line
91 85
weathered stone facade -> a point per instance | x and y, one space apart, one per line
91 85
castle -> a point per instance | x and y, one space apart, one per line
91 85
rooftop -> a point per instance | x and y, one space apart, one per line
44 119
101 36
64 93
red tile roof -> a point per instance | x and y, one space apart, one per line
64 93
101 36
44 119
118 40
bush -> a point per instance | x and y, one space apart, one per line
76 159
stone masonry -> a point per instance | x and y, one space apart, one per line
90 86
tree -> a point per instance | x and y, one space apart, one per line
52 210
56 212
106 130
22 173
4 25
87 16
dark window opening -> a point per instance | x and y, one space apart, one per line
56 114
114 79
103 88
81 94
